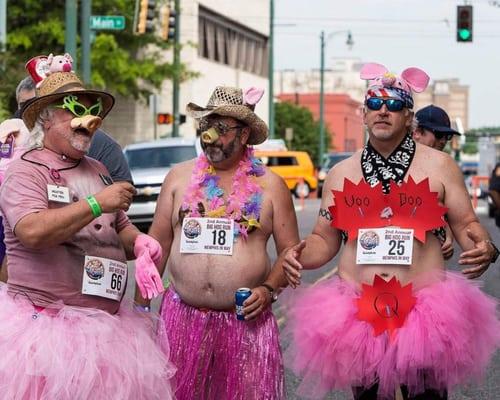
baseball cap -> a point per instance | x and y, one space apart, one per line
434 119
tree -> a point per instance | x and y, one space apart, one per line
305 129
122 63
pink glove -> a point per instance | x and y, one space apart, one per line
148 252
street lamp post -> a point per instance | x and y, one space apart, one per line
271 69
323 42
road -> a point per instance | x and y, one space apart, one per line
489 389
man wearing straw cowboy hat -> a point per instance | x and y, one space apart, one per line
68 240
214 217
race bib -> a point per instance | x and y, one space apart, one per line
104 277
59 194
384 246
207 236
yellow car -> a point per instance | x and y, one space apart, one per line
291 166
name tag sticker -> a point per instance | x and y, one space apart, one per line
385 246
207 236
59 194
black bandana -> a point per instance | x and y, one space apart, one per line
377 169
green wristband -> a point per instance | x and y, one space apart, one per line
94 206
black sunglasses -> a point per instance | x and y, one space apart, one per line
440 135
376 103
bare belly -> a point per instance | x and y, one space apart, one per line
210 281
426 258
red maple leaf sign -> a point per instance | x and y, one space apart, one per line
385 305
409 205
416 207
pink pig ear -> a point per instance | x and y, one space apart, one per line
372 71
416 79
252 95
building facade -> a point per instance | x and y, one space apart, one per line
342 116
226 43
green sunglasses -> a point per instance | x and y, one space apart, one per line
71 104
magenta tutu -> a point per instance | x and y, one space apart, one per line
220 357
69 353
448 339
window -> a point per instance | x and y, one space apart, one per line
227 42
282 161
159 157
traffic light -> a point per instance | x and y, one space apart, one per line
167 22
464 23
164 118
145 20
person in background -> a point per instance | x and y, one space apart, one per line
434 130
494 188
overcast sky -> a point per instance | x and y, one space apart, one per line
399 34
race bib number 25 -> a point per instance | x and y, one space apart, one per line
385 246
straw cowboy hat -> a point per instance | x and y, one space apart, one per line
233 102
54 87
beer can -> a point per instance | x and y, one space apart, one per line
240 296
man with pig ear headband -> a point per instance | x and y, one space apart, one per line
393 317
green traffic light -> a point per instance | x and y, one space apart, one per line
464 34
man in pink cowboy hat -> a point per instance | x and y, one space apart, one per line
227 193
393 316
64 334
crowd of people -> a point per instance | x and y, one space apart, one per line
392 318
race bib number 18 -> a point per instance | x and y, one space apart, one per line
207 235
385 246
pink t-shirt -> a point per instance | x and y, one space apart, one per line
55 274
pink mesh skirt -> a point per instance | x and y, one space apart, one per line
69 353
220 357
448 339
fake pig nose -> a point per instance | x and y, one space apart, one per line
88 122
209 136
67 67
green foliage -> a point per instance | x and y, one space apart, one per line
121 62
305 129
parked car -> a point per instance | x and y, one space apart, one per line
330 160
149 163
291 166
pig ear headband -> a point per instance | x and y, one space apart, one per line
416 79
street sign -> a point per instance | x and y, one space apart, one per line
115 22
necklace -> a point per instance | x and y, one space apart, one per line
54 173
243 204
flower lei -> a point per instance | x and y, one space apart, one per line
243 204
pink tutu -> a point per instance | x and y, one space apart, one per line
69 353
448 339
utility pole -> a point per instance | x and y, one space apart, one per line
177 59
85 38
3 25
271 69
70 30
321 100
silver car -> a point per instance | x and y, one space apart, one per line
149 163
